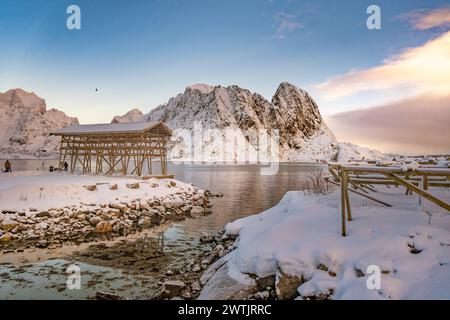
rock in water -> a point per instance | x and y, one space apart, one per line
171 289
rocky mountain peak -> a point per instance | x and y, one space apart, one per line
18 98
296 111
131 116
201 87
292 112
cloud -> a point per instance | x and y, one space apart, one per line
417 125
419 70
286 23
427 19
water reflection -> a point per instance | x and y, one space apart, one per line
245 191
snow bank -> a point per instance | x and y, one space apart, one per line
49 210
300 237
20 191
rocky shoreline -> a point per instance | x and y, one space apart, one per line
195 279
92 222
185 282
188 281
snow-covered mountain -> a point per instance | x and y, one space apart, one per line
210 123
350 151
131 116
25 124
204 117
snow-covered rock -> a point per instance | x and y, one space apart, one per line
25 125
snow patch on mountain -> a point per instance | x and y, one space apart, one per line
25 125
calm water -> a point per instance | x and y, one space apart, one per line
245 191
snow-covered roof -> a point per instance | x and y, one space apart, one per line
128 127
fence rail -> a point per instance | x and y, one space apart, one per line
362 178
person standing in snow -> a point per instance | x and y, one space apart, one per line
7 166
66 166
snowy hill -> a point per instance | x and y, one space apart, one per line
205 116
25 124
350 151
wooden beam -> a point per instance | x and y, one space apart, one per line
363 195
347 197
413 188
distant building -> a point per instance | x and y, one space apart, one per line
124 148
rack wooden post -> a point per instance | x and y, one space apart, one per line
114 146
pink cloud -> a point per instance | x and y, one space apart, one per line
418 125
426 19
420 69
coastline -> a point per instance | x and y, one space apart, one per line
57 209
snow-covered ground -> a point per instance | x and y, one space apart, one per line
350 151
42 191
298 244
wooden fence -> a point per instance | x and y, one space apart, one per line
360 179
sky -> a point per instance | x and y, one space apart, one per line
139 54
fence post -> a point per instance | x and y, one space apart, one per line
343 201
